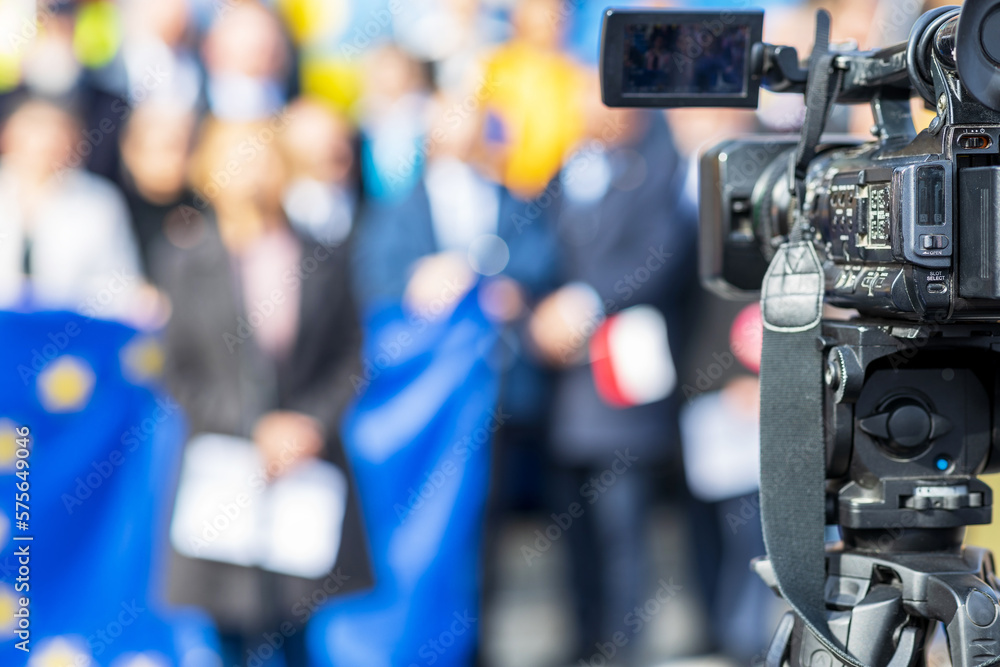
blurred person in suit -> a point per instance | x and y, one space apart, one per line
261 344
248 63
156 146
67 241
719 425
322 196
52 69
626 240
158 54
455 226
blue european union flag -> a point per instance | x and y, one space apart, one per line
89 448
418 441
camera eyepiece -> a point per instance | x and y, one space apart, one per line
990 34
977 51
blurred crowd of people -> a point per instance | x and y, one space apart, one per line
205 170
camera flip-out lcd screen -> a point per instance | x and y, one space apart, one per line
656 60
670 58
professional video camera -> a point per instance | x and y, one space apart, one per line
879 424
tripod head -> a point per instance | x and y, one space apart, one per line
910 422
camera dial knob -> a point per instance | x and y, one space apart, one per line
905 427
909 425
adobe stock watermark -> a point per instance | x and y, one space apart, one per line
265 308
635 621
121 282
631 283
229 512
461 451
887 536
106 636
628 286
390 351
303 609
591 490
89 482
246 151
532 211
91 308
748 511
58 341
365 35
432 650
706 378
29 28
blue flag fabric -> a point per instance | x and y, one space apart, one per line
418 440
102 451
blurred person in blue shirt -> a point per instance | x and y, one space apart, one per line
394 111
457 227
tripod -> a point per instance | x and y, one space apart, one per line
911 417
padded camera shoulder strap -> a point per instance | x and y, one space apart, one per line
792 449
792 445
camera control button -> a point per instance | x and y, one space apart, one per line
933 241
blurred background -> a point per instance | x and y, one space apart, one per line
359 332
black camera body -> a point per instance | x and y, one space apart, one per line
907 226
885 217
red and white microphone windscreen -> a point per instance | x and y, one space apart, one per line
630 358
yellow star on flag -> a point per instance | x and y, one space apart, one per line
8 604
66 385
62 652
8 445
142 360
146 659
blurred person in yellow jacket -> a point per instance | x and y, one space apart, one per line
531 96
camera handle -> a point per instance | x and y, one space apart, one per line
823 86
